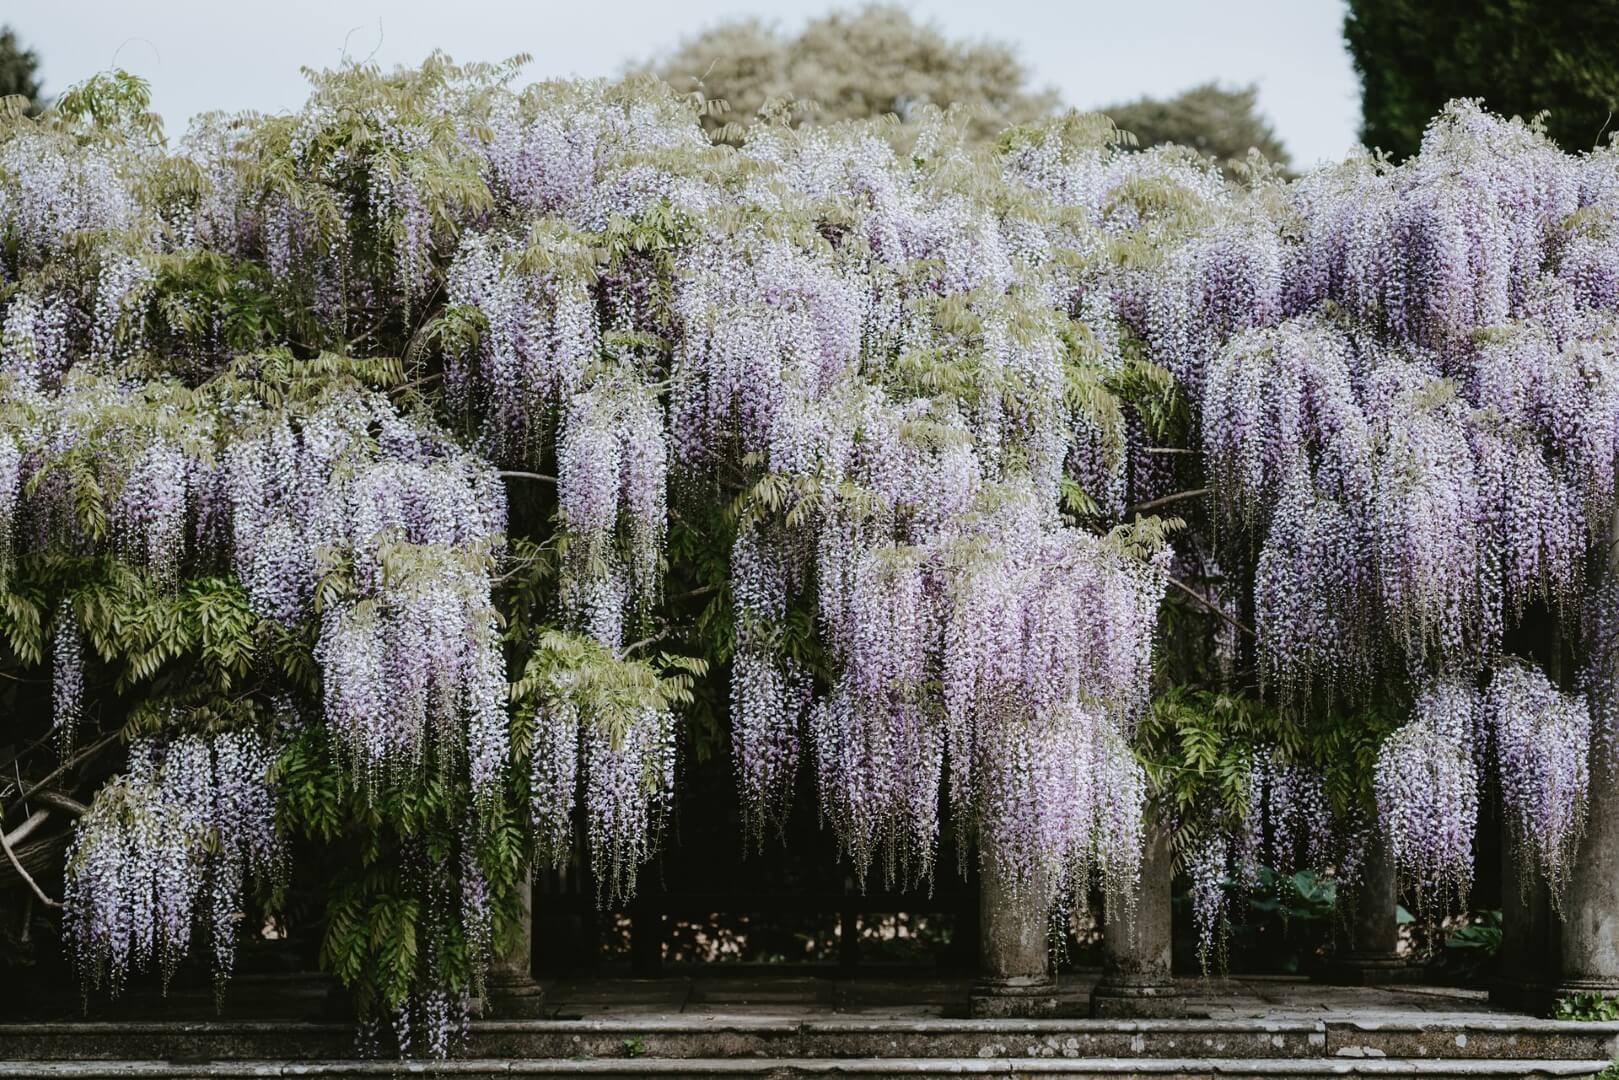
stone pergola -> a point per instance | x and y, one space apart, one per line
1545 955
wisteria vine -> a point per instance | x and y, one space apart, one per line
417 400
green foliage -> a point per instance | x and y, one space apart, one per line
19 72
1304 895
1285 918
187 650
579 670
390 849
1482 936
1198 746
1223 124
1157 399
1471 950
1587 1006
110 106
1522 57
204 298
853 65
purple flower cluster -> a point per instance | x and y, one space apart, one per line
612 495
629 784
554 779
167 849
10 493
52 188
1427 787
1405 380
35 341
1004 656
1542 742
67 674
409 650
770 694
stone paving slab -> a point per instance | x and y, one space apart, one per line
1225 998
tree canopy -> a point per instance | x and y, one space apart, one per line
19 69
1219 122
1520 57
854 65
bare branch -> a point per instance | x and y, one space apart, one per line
695 593
16 864
31 747
77 759
519 475
1211 606
644 642
26 829
1167 500
65 803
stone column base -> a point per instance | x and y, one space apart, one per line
1137 999
1608 988
1368 970
1022 998
512 997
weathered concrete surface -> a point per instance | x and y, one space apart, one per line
909 1068
1014 950
1292 1026
698 1036
1136 979
1474 1037
1372 956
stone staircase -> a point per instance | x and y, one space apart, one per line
820 1028
697 1046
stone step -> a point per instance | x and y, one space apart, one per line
707 1037
785 1069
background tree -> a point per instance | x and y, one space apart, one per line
1520 56
853 65
19 69
1218 122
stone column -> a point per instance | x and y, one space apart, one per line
1136 945
1590 929
1014 964
512 992
1526 966
1589 945
1372 953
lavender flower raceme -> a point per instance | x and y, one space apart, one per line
1542 740
1427 789
167 848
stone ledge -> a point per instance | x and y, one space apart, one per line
710 1036
910 1068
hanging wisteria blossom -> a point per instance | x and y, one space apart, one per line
1427 789
1542 740
167 848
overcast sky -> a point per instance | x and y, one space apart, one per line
240 54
